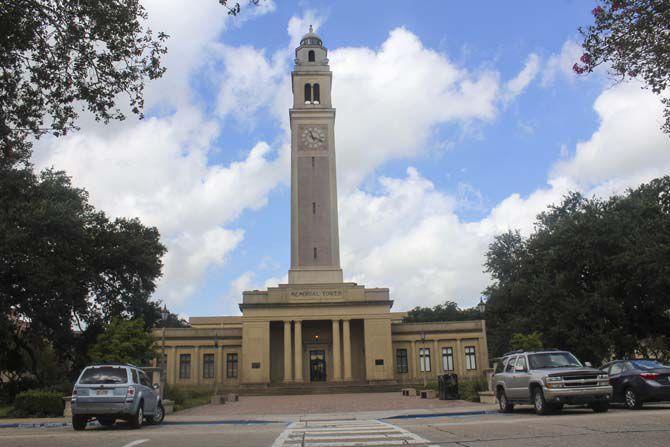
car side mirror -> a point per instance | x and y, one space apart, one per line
588 364
156 386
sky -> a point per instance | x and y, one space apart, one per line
456 121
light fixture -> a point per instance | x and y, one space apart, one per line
482 305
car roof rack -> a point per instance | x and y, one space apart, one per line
114 364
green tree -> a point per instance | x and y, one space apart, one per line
124 341
530 342
65 268
631 37
59 57
592 278
449 311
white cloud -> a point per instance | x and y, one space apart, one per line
628 141
561 64
515 86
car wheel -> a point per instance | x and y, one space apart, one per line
539 402
138 418
79 422
600 407
106 421
631 399
504 406
158 416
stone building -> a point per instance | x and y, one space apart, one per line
317 328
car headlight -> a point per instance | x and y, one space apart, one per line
553 379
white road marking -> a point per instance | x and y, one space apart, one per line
346 433
134 443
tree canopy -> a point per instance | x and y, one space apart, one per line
449 311
631 37
66 268
592 278
124 341
59 57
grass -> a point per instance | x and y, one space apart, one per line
4 410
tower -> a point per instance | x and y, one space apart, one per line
315 248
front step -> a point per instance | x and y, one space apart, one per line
310 388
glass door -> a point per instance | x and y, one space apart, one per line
317 365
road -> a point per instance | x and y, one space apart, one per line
649 427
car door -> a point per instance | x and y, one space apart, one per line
147 393
508 377
521 379
616 380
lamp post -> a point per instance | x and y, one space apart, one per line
481 307
422 359
163 373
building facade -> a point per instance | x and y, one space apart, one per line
317 328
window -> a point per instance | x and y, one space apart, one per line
313 207
521 361
310 56
184 366
135 378
424 359
552 360
448 359
308 93
616 369
231 365
105 375
470 358
208 368
510 365
314 252
317 94
144 379
379 362
401 361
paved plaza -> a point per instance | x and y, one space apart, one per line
331 403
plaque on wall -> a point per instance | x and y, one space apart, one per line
255 365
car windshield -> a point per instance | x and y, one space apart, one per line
552 360
104 375
648 364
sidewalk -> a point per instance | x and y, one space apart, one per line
260 409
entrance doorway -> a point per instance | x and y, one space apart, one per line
317 365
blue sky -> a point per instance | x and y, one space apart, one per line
456 121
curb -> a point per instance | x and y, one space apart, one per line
95 424
439 415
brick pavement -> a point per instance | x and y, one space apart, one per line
324 403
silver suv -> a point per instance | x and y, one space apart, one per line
548 380
115 391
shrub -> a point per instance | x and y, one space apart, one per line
38 403
469 388
188 396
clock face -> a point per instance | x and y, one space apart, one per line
313 137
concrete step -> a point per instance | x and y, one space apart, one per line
335 388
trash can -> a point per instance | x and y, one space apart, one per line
448 386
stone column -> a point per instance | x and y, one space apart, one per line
459 359
195 365
297 326
438 359
288 357
175 365
337 366
346 340
413 368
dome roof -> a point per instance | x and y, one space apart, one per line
311 38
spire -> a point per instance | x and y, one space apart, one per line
311 30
